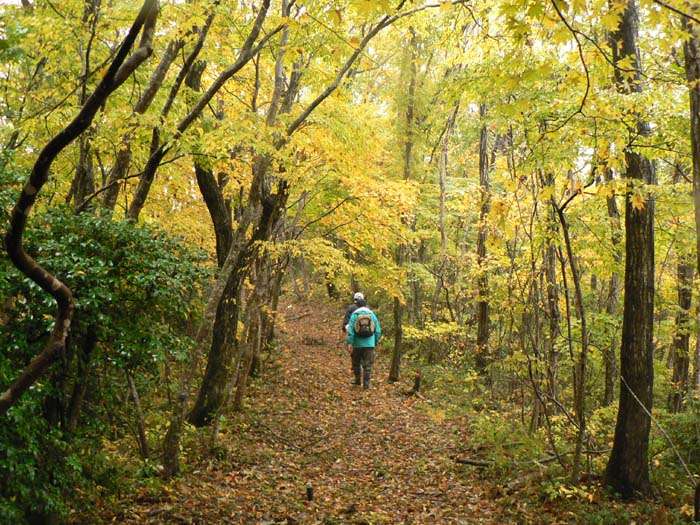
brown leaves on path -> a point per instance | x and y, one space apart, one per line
368 456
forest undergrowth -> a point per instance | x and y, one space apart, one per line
374 456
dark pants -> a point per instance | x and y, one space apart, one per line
362 361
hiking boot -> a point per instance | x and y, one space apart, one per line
357 381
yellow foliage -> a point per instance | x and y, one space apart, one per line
637 200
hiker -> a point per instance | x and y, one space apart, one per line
350 309
364 334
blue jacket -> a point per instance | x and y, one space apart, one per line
363 342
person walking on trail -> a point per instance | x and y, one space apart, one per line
350 309
364 333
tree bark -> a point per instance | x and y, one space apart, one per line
627 472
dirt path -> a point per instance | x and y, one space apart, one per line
371 456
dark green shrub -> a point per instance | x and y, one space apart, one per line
135 290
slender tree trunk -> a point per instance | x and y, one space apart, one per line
140 421
122 162
395 367
212 191
554 317
627 472
444 149
681 339
613 299
680 347
253 336
401 252
692 72
695 381
582 362
171 442
482 305
82 377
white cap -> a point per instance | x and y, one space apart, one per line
358 296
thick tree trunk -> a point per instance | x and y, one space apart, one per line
627 472
220 359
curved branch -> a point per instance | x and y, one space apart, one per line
18 221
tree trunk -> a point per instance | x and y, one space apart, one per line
627 472
219 210
692 72
482 305
82 377
402 249
681 339
394 371
254 330
122 162
140 421
171 442
613 299
582 362
220 359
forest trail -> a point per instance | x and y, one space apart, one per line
372 456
